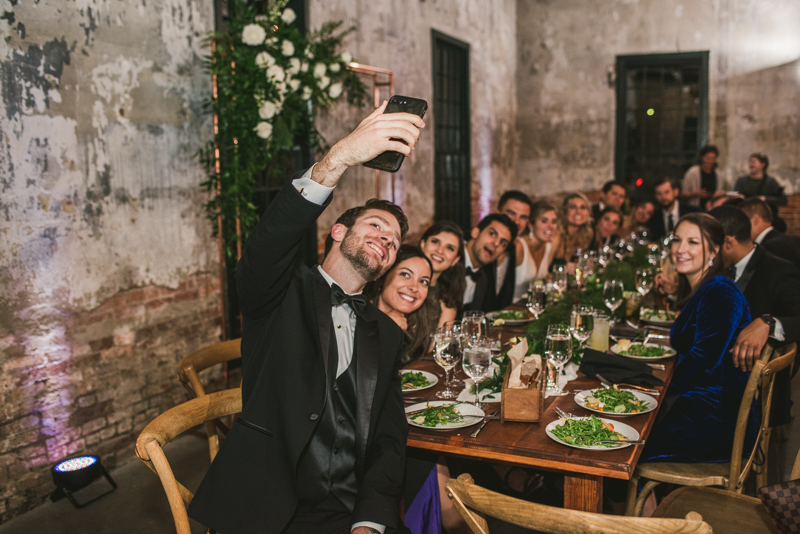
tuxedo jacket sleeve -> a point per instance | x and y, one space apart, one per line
774 288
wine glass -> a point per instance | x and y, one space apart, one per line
537 298
581 323
558 351
477 363
446 353
604 256
644 281
613 294
473 327
560 278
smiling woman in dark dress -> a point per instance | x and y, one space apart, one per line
698 419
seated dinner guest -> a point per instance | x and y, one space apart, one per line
757 183
700 182
613 195
576 226
443 244
320 443
763 233
540 243
605 230
669 211
509 270
698 417
488 241
637 221
400 293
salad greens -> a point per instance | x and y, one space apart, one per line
657 315
650 351
582 432
513 315
438 415
613 400
495 382
414 380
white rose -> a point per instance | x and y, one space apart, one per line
303 67
281 87
294 66
323 82
275 72
267 110
253 34
288 16
264 60
306 93
261 18
310 54
272 40
347 57
335 90
319 70
263 130
294 84
287 48
335 67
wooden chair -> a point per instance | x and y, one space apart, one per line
172 423
724 510
475 503
730 475
188 374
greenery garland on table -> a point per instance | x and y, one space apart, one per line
270 80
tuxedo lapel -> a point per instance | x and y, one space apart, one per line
322 306
367 347
749 269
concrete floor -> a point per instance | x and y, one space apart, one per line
139 504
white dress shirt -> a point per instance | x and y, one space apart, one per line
763 234
469 289
344 318
778 333
676 214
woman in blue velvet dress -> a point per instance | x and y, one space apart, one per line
702 401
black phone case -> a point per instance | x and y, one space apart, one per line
390 161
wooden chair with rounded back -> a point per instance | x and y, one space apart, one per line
730 475
474 503
172 423
188 374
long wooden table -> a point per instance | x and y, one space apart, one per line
527 445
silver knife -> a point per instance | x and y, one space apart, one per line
478 430
608 384
659 366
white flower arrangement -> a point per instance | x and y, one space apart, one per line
263 130
267 110
323 82
347 57
287 48
335 67
294 84
264 60
288 16
276 72
294 66
319 70
253 34
335 90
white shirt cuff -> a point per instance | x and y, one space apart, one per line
311 190
778 334
376 526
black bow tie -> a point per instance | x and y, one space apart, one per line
357 303
732 272
475 275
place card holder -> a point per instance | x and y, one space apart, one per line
525 405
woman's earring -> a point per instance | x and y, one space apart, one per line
711 262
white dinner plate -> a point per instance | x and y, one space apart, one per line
656 322
432 378
626 430
472 415
670 352
495 315
580 400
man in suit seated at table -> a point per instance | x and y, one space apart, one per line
501 274
771 286
319 447
762 232
487 242
614 194
669 210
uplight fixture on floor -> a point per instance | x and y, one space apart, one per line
75 474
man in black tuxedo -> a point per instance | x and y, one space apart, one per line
670 209
771 286
762 232
614 194
320 444
501 273
487 242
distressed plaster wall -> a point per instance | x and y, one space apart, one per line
107 268
397 36
566 108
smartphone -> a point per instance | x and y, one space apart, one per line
390 161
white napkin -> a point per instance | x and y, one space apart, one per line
486 394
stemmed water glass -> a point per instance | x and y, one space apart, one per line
473 326
644 281
613 294
558 351
446 353
581 323
560 278
537 298
477 363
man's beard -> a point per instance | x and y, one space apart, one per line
364 263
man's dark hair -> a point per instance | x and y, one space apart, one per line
708 149
735 222
756 206
611 183
513 194
666 180
760 156
503 219
349 217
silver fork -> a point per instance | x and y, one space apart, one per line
562 414
631 441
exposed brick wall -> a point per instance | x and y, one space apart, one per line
791 214
107 373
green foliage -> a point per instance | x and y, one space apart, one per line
267 92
